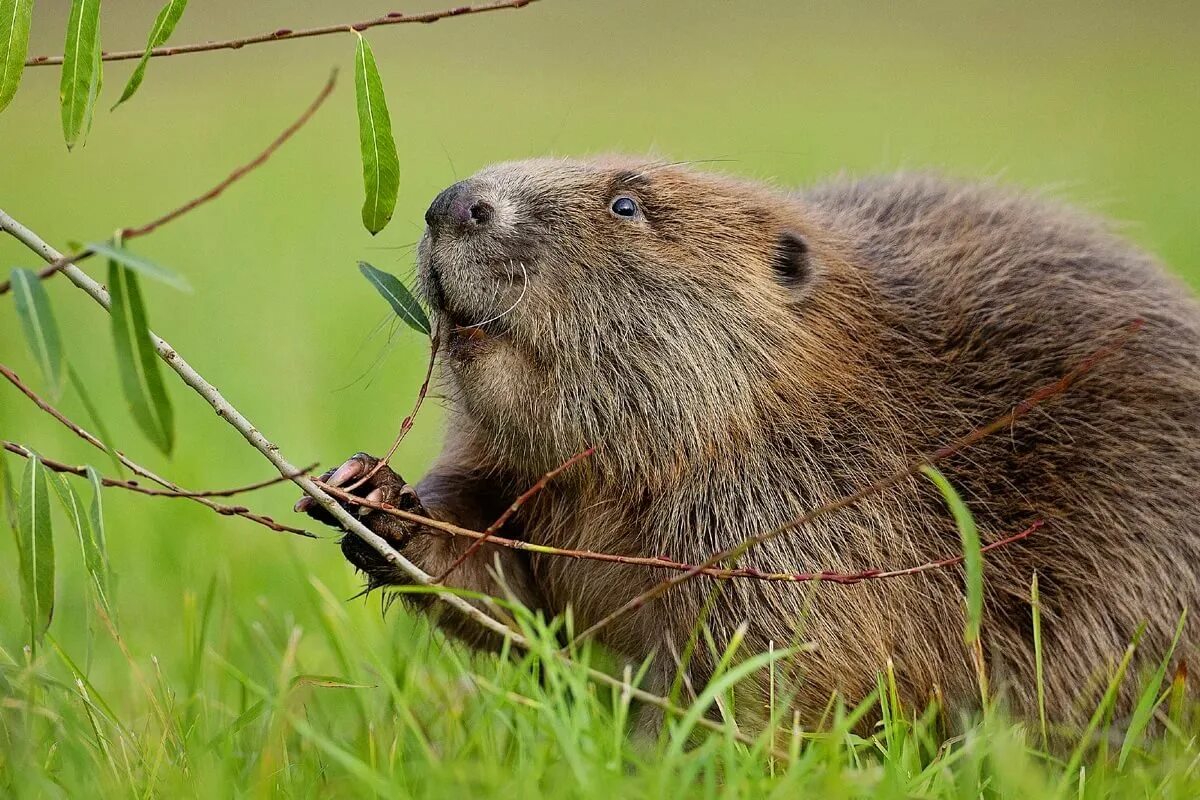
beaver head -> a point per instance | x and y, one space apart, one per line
587 300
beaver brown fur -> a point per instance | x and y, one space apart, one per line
741 354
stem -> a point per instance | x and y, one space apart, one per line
392 18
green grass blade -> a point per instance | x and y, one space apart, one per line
94 559
37 322
36 550
164 26
1149 699
1038 656
137 360
81 70
15 16
381 164
139 264
398 296
972 552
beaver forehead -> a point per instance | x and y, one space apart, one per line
669 188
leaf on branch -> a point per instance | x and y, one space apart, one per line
94 558
37 322
164 26
7 493
397 294
140 264
35 550
972 552
137 360
15 16
381 164
82 72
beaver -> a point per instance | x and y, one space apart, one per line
740 354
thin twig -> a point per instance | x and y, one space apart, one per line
661 562
169 488
406 425
134 486
392 18
514 508
125 234
971 438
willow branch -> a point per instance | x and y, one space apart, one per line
125 234
513 509
661 562
973 437
169 489
283 34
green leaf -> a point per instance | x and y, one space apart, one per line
94 557
37 321
139 264
14 45
972 552
96 518
7 493
81 70
35 550
397 294
164 26
381 165
136 358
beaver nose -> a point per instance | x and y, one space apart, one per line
458 208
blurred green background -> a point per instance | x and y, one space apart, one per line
1100 103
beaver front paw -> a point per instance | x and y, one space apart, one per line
382 486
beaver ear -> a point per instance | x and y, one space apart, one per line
790 259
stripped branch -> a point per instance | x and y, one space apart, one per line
973 437
283 34
125 234
514 508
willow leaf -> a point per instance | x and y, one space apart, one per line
35 550
15 16
37 322
140 264
95 561
164 26
397 294
381 164
82 70
137 361
972 552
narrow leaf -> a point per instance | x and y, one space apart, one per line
35 550
96 518
93 555
137 360
14 45
164 26
397 294
81 70
972 553
1149 700
8 494
139 264
37 321
381 164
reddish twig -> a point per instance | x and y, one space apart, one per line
407 424
1022 408
172 489
661 562
513 509
250 487
283 34
126 234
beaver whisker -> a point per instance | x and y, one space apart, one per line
515 303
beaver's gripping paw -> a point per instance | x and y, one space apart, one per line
384 486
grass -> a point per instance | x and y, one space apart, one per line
242 668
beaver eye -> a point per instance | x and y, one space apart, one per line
624 207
